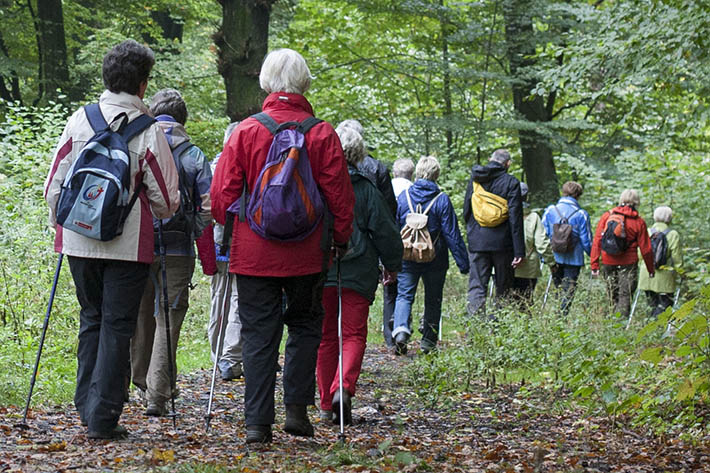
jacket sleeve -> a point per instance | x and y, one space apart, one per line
383 231
547 221
644 243
675 249
467 211
206 251
202 183
515 218
585 232
160 176
452 234
542 243
228 179
596 251
384 184
61 162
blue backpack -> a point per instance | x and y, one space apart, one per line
94 200
285 204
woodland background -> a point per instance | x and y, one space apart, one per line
611 93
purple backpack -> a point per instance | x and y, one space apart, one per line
285 204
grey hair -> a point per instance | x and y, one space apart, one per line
352 123
428 168
353 145
228 131
403 167
629 197
169 102
500 156
663 214
285 70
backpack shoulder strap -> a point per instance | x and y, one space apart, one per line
136 126
308 123
267 121
95 117
409 201
559 214
426 211
181 148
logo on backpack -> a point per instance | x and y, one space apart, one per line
562 238
614 237
285 203
94 200
489 209
659 247
416 239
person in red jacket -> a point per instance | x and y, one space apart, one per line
266 268
620 270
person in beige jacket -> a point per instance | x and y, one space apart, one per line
110 275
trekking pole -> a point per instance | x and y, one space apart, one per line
41 340
341 436
166 314
676 298
633 308
221 326
547 292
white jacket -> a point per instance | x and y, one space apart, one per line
151 162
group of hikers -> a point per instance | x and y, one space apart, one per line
297 225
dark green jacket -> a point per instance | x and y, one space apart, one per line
375 238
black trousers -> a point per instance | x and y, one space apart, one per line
482 264
109 293
263 319
389 298
659 302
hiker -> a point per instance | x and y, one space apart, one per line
659 290
536 245
149 351
619 234
230 360
567 224
443 228
402 170
266 267
375 236
498 240
110 275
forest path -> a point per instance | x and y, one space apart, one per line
491 431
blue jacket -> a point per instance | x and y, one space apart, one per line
442 224
580 228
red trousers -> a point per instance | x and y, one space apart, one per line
355 311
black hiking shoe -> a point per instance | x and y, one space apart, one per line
259 434
347 408
118 432
400 343
297 422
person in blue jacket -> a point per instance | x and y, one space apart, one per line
569 264
444 229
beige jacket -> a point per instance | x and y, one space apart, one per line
151 162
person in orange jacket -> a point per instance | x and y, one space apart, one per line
619 252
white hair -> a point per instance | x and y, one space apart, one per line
352 123
428 168
284 70
500 156
228 131
403 167
353 145
663 214
629 197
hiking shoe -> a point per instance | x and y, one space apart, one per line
232 373
259 434
297 422
118 432
156 409
326 415
400 343
347 408
427 348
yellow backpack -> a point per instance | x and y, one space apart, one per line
489 209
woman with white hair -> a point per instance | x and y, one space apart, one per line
266 268
621 233
660 289
444 230
375 237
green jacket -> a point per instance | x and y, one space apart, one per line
375 239
665 280
536 243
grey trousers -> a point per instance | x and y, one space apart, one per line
232 345
482 264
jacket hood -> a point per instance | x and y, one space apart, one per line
423 190
625 210
488 172
174 131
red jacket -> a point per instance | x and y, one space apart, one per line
636 235
244 155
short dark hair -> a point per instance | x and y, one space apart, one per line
126 66
572 189
169 102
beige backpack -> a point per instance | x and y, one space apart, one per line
418 246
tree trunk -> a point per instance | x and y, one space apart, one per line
538 163
53 54
9 78
448 109
242 42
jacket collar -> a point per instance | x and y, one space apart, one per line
569 200
287 101
625 210
124 100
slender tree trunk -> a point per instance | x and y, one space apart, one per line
242 42
538 163
53 54
448 109
10 79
